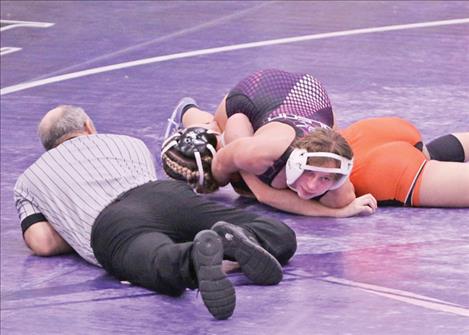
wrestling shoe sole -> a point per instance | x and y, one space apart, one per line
217 291
256 263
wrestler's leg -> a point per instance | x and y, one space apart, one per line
334 123
237 126
220 114
449 148
217 122
444 184
464 140
194 116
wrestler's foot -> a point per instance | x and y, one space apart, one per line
175 120
216 289
255 262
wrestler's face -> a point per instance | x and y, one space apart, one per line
313 183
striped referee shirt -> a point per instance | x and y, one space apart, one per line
69 186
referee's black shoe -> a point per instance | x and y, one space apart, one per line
216 289
255 262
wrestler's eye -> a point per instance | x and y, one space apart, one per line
325 179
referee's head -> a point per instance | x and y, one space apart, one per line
63 123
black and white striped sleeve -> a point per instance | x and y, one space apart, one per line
28 213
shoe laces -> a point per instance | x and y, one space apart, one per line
229 236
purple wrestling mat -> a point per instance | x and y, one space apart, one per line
399 271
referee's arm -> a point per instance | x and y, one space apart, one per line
43 240
38 234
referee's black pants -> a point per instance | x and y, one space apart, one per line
145 236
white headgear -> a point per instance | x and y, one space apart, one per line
297 163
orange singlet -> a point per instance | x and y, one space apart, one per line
386 162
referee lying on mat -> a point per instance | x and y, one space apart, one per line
97 194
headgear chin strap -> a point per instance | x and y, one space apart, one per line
193 142
297 163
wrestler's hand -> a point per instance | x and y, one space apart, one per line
364 205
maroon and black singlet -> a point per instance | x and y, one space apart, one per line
296 99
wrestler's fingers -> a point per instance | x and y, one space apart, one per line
367 210
373 201
369 200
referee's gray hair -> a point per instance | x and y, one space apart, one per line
71 119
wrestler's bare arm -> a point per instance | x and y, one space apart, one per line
242 154
340 197
289 201
254 154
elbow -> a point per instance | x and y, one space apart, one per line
43 250
41 241
259 196
256 193
261 199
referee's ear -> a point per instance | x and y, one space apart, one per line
89 127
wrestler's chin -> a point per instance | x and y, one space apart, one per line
305 196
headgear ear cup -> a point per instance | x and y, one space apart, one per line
196 139
295 165
187 155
